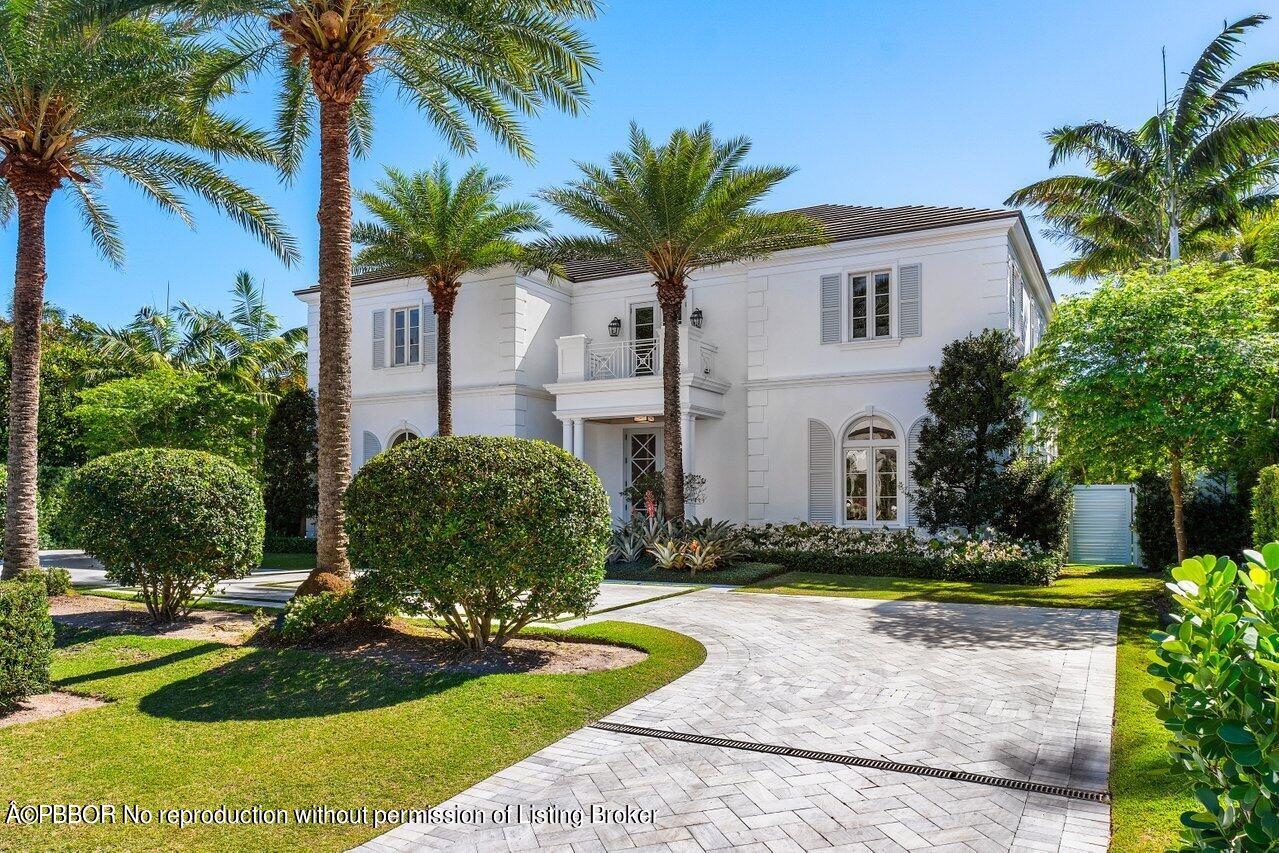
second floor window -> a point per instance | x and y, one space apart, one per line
406 336
870 305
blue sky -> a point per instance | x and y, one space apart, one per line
878 103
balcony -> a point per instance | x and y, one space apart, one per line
581 360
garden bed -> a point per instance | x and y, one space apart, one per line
645 570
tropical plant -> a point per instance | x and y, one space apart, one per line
1220 662
492 60
671 210
80 99
429 226
975 419
1160 372
667 553
653 485
1170 188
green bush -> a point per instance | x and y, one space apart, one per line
1036 504
1265 505
55 581
1217 520
172 522
1221 660
274 544
54 532
504 531
26 640
837 550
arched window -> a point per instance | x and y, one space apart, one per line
401 437
872 464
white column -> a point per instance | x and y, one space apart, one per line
567 444
689 452
579 438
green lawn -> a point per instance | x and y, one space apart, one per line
1148 800
288 561
644 570
199 724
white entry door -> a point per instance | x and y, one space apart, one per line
643 456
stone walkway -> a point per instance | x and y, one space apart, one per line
1018 693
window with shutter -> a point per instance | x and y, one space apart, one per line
910 299
830 319
372 447
379 339
821 473
912 450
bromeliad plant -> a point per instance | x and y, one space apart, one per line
1221 661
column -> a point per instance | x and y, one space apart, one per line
567 443
579 438
689 452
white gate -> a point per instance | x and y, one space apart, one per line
1101 526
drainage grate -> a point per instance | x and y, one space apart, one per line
857 761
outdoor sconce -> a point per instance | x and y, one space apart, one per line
696 318
615 327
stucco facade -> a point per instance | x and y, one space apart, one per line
801 386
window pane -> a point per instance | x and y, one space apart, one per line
881 284
885 484
882 326
415 335
398 338
859 328
855 484
859 285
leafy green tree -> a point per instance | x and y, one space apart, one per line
1170 188
1161 372
975 420
671 210
167 408
428 226
288 464
80 99
486 62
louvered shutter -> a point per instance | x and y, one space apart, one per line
912 450
830 321
430 333
379 339
372 447
910 299
821 473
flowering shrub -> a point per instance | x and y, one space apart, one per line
900 553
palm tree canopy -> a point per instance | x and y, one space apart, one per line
427 225
80 99
1197 167
247 348
674 208
485 61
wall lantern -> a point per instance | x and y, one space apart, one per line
615 327
696 318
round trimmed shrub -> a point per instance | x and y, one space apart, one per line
26 641
172 522
482 534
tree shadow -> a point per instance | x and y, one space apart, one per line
143 665
992 626
284 684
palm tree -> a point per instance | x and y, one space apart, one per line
428 226
673 209
80 99
490 60
1164 190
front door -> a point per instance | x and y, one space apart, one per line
645 323
643 456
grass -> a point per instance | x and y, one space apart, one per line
199 724
301 562
644 570
1148 799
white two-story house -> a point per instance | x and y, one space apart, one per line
802 376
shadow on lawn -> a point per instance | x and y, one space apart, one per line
279 684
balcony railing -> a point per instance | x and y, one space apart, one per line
582 360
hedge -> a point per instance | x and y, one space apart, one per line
26 640
1218 520
276 544
1265 505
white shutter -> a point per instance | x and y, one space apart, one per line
379 340
830 321
912 450
430 333
372 447
910 297
821 472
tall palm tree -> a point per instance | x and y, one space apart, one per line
1163 191
673 209
78 100
485 61
429 226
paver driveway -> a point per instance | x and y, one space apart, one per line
1017 693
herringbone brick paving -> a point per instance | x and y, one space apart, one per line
1024 693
